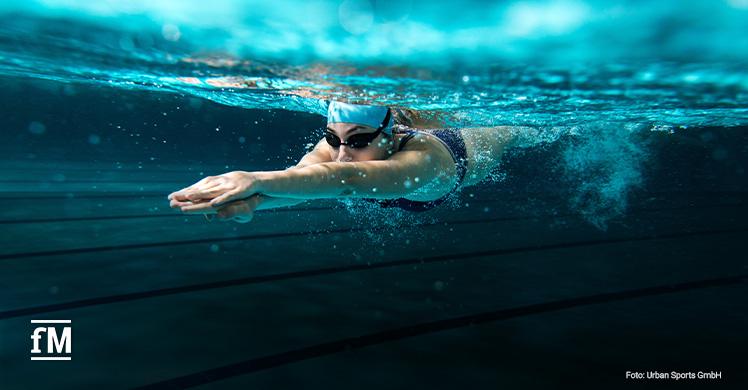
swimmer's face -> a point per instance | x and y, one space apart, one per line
378 149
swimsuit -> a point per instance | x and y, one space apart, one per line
452 139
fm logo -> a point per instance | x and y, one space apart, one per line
57 338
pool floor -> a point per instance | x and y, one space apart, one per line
509 290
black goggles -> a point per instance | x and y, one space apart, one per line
357 141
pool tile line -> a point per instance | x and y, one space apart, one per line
390 335
60 252
343 269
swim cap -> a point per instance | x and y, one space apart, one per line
372 116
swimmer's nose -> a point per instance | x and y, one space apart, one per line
344 154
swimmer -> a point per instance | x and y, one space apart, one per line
367 153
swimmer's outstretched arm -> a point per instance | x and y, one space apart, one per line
195 199
316 177
317 155
382 179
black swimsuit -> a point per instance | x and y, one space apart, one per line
452 139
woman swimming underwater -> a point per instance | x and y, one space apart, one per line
364 155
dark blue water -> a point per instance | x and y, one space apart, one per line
611 240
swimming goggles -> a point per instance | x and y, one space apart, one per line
357 141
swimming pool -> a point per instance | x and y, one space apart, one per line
611 241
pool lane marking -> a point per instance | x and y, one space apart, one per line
84 195
25 195
60 252
324 349
282 210
65 181
339 269
170 215
113 169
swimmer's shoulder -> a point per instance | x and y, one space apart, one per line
413 140
422 141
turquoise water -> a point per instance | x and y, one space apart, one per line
564 67
612 239
552 63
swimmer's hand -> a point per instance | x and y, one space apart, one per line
240 211
219 189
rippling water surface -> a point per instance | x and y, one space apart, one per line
545 63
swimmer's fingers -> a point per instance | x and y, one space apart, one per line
207 193
179 195
193 192
177 204
198 208
206 182
229 196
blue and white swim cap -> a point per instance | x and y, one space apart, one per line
372 116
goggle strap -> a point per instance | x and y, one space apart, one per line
386 121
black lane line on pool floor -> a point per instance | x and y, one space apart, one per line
59 252
73 195
92 181
62 195
114 169
175 214
85 195
329 231
270 361
341 269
